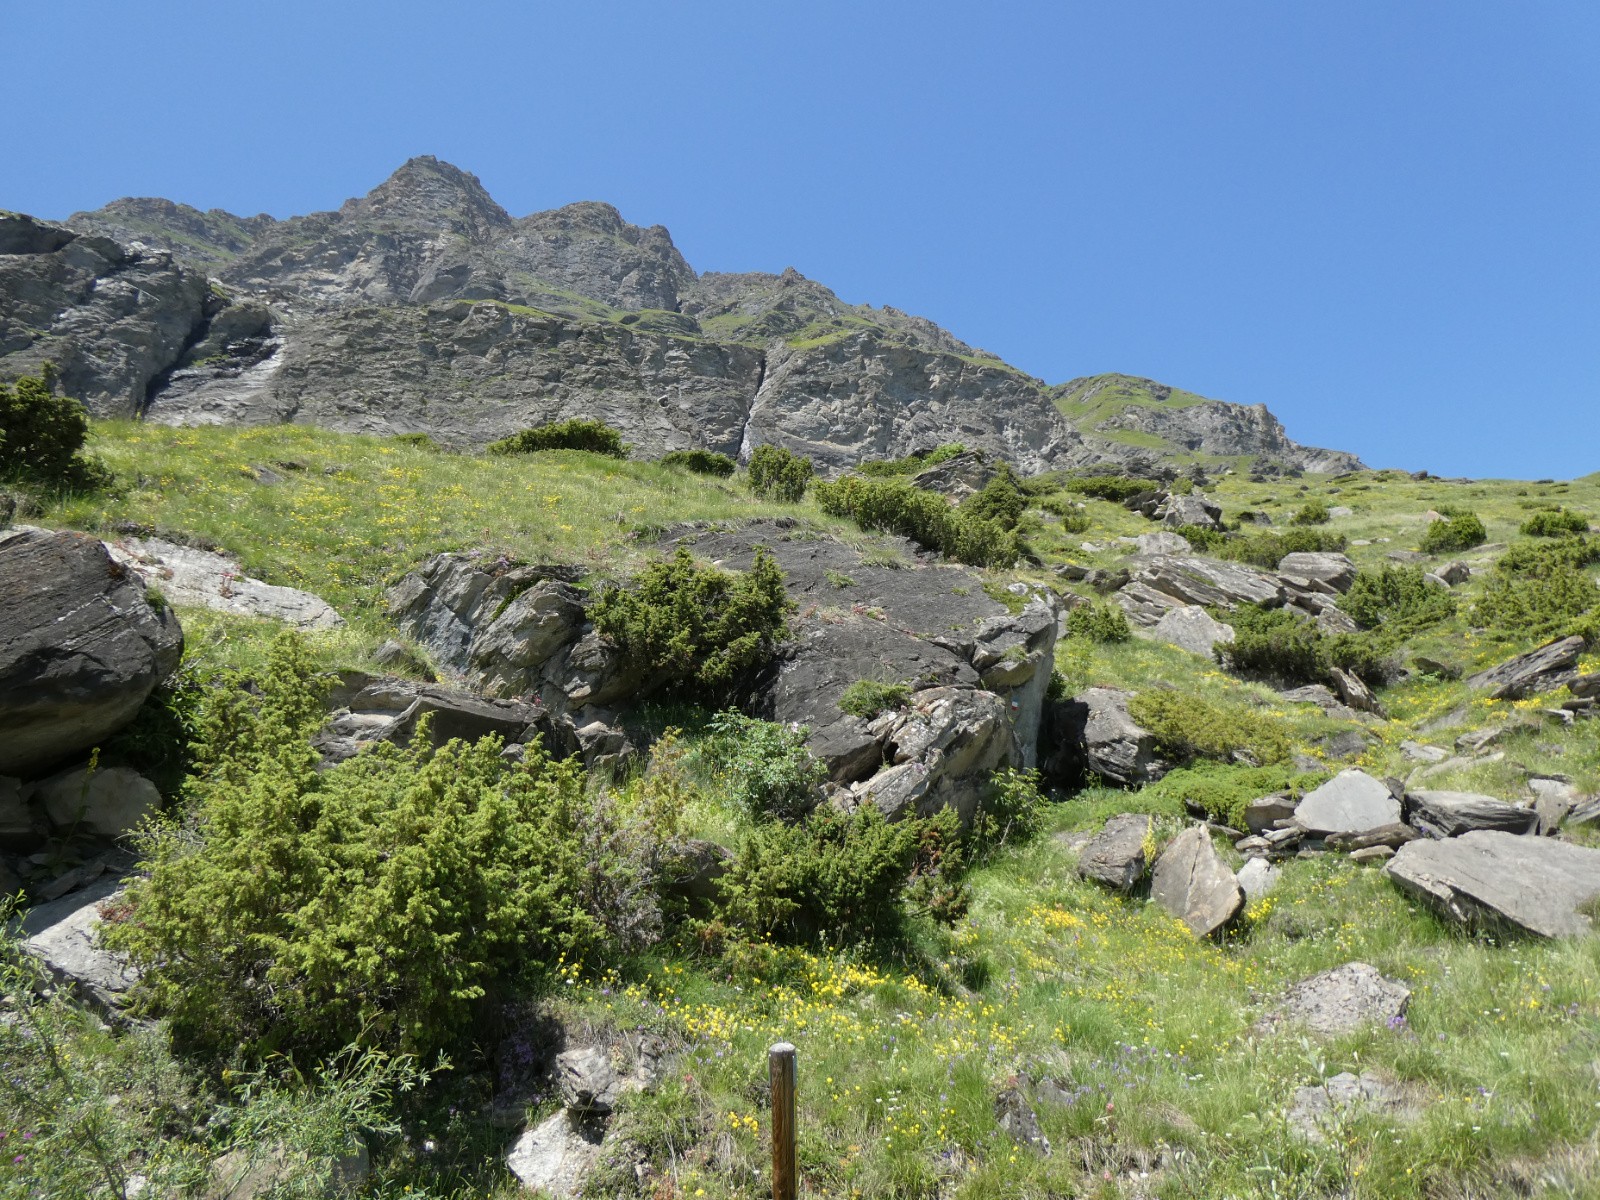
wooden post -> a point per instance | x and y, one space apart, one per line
780 1065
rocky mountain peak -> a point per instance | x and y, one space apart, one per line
427 191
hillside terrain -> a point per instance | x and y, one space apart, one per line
1186 934
425 307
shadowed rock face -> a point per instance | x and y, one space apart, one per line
425 306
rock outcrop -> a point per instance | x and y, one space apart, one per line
1193 883
207 579
1538 885
1116 855
1341 1001
80 647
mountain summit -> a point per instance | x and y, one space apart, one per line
424 306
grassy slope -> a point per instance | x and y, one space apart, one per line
900 1056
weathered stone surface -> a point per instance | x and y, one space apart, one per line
1191 628
1553 800
80 648
1450 814
107 802
1419 752
1261 815
557 1156
1016 1117
1454 573
1193 883
1372 854
1257 878
1354 693
1335 570
957 477
1351 802
390 709
63 934
1194 509
1192 579
1318 1110
1116 856
184 575
588 1082
1107 741
1340 1001
1162 542
940 752
1543 670
1493 878
256 1172
1397 834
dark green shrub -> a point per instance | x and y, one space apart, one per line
1099 622
1312 512
836 877
764 767
1225 791
420 441
1460 530
1000 500
575 433
1206 541
1539 589
893 506
1281 645
701 462
866 698
1186 727
1012 809
373 902
1398 599
1073 519
42 435
777 474
879 468
1267 550
1116 488
1558 523
692 624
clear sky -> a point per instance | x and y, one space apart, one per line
1378 217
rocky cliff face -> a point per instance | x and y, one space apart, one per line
425 306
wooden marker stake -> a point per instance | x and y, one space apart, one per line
780 1065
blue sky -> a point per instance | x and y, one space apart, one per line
1378 218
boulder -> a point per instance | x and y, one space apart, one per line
206 579
1162 543
1193 579
1116 855
388 709
1351 802
1107 742
80 647
1193 509
1193 883
1191 628
557 1156
1372 854
1335 570
107 802
1454 573
1256 878
1391 836
1341 1001
1443 814
1540 885
1551 666
1263 814
957 477
1553 800
1353 693
1016 1117
64 935
940 750
587 1080
1321 1110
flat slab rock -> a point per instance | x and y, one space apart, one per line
1318 1108
1193 883
1191 628
1450 814
1534 884
1115 856
1541 670
206 579
1340 1001
1351 802
63 934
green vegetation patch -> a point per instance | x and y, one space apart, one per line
779 475
42 437
1187 727
576 433
701 462
867 698
1225 790
925 517
1460 530
911 464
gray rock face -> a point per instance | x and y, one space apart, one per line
1194 509
1543 670
1341 1000
1162 543
1351 802
184 575
391 710
1108 741
1116 855
64 935
957 477
1492 878
1450 814
1261 815
107 802
1016 1117
1191 628
557 1156
1335 570
1193 883
80 648
1256 878
1172 581
1317 1111
939 753
587 1080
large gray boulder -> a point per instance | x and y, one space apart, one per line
1351 802
1450 814
1540 885
1104 740
1194 509
80 647
939 752
556 1157
1193 883
1341 1001
1115 856
1335 570
1543 670
207 579
587 1079
64 935
106 802
1193 629
1167 581
957 477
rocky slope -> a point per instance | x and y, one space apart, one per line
425 306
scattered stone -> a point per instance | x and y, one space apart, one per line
1450 814
587 1080
1492 878
1193 883
1335 570
80 647
1116 857
206 579
1372 854
70 881
1318 1110
1340 511
557 1156
1551 666
1433 666
63 934
1417 752
1351 802
1015 1115
1340 1001
1353 692
1191 628
107 801
1261 815
1257 877
1393 836
1454 573
1553 800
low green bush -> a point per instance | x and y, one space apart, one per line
1397 598
1281 645
701 462
1267 550
1460 530
1540 589
575 433
1312 512
1073 518
1011 810
1187 727
894 506
1116 488
1557 523
1099 622
419 441
1000 500
1202 538
375 902
912 463
1225 790
764 767
42 436
693 624
866 698
779 474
